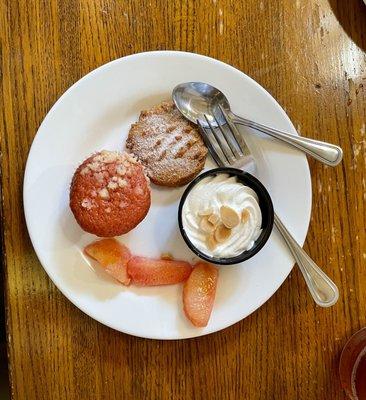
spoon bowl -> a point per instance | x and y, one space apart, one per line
197 99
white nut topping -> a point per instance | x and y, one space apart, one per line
206 226
214 219
222 233
211 242
205 211
229 217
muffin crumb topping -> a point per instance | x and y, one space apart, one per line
104 194
86 203
112 185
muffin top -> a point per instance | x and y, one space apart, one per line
110 193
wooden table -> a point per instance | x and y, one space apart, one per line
311 56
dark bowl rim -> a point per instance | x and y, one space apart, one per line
267 230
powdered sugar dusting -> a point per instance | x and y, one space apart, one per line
169 146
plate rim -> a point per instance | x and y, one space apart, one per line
38 136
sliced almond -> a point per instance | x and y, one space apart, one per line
245 215
214 219
206 226
229 217
211 242
205 211
222 233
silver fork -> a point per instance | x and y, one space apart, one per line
227 147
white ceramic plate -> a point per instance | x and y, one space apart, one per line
96 113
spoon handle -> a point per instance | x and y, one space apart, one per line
322 288
327 153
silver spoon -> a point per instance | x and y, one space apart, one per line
195 99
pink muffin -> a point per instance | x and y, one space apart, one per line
110 194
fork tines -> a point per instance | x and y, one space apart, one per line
224 142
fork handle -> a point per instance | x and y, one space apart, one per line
327 153
322 288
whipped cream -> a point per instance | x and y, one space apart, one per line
209 196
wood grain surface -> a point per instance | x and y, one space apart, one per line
311 56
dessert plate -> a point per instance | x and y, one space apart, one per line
96 113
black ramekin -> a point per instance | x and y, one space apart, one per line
265 204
